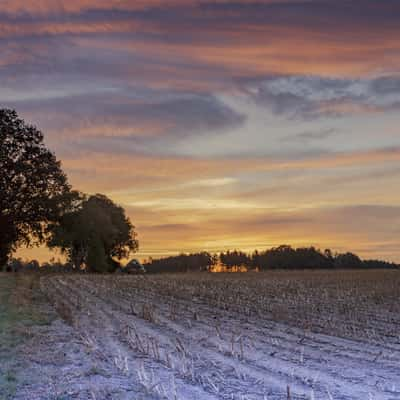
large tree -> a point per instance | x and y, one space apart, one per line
95 234
33 189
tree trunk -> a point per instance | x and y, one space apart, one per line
8 238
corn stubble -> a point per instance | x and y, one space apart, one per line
275 335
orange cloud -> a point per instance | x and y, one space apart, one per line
120 166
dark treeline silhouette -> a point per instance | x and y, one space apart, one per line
282 257
19 265
287 257
181 263
234 258
60 267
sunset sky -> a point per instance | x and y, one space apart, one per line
219 124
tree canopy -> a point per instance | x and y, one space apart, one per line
33 189
94 234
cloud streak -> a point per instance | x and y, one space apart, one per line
314 97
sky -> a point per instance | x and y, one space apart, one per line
219 124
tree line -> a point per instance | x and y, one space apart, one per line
181 263
281 257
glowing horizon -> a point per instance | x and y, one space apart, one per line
219 124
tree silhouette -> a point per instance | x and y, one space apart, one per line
281 257
33 189
93 234
347 260
235 258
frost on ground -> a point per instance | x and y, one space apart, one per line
43 358
283 335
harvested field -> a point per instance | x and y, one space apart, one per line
277 335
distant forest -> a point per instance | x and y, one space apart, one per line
282 257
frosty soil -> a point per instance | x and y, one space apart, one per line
202 337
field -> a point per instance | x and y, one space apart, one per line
275 335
